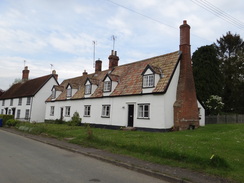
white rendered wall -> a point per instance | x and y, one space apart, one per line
201 114
38 102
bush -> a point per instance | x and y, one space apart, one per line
75 120
12 122
56 121
6 118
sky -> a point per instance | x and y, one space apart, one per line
60 34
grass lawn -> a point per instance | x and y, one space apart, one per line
214 149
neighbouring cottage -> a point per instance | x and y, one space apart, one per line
156 93
26 99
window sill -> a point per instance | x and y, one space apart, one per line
105 116
86 116
144 118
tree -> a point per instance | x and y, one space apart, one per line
230 51
207 76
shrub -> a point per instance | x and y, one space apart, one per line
6 118
12 122
56 121
75 120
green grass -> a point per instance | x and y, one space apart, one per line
214 149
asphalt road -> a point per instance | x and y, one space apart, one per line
23 160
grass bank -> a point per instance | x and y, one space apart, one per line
214 149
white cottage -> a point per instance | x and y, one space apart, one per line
150 94
26 99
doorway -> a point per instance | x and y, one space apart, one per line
130 115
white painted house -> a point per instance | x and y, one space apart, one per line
26 100
154 93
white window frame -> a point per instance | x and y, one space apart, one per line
88 89
106 111
20 101
143 111
107 86
53 93
69 92
28 101
148 81
52 109
27 113
87 110
18 114
67 111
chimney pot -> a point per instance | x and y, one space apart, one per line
25 74
98 65
85 73
113 59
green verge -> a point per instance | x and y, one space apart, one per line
214 149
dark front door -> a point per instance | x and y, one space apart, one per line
61 113
130 115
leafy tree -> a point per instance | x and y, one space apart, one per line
207 76
230 51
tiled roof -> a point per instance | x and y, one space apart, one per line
128 76
26 89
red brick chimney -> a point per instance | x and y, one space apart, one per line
113 59
54 73
186 113
98 66
25 74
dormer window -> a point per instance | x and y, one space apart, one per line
69 91
148 81
107 86
88 89
53 93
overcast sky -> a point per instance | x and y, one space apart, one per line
61 32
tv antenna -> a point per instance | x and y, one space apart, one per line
94 52
24 63
51 67
113 39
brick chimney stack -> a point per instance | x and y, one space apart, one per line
186 113
54 73
98 66
25 74
113 59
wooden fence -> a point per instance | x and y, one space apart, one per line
224 119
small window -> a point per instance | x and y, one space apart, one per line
148 81
20 101
53 93
143 111
106 111
52 111
27 114
18 114
67 111
69 92
87 110
28 101
9 112
11 102
3 103
2 111
87 89
107 86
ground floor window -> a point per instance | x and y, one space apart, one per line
67 111
52 111
143 111
2 111
18 114
106 111
27 113
87 110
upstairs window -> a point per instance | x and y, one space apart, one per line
18 114
106 111
148 81
69 92
28 101
20 101
11 102
88 89
107 86
53 94
143 111
3 103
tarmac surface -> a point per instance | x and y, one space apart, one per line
164 172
